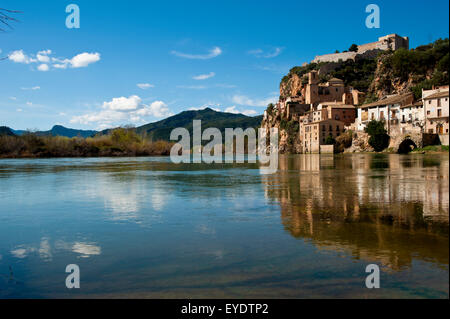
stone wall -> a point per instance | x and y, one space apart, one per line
335 57
326 149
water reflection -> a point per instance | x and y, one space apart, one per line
385 208
144 227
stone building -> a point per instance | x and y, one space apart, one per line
314 134
332 91
387 110
327 119
436 110
368 50
345 113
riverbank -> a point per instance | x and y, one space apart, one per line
120 142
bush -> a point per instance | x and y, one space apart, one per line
343 141
379 139
330 140
120 142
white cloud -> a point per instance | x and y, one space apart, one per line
244 100
13 98
19 57
156 109
267 55
29 104
43 67
123 110
233 109
43 56
34 88
192 87
84 59
19 110
214 52
78 61
123 103
145 86
204 76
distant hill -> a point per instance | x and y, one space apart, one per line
161 130
4 130
59 130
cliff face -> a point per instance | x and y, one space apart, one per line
293 86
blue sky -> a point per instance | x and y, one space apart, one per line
229 55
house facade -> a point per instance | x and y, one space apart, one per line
390 110
436 111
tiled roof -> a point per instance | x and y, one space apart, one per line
388 101
436 95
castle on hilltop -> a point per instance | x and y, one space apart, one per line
388 42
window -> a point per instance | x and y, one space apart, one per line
323 128
439 102
337 128
428 112
439 113
429 102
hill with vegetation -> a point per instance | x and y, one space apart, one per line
391 72
160 131
59 130
4 130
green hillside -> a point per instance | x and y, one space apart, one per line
4 130
161 130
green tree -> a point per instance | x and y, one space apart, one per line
353 48
379 139
330 140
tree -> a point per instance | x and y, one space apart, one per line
330 140
6 18
379 139
353 48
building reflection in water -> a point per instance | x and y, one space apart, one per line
389 209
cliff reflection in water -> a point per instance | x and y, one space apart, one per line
388 209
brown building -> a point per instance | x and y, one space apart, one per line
337 111
314 134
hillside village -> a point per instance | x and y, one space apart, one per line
317 113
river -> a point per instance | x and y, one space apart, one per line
148 228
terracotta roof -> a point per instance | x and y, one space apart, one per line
338 106
436 95
415 104
388 101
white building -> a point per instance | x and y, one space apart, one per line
436 110
390 110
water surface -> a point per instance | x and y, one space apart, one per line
147 228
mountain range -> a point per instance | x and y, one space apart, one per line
161 130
